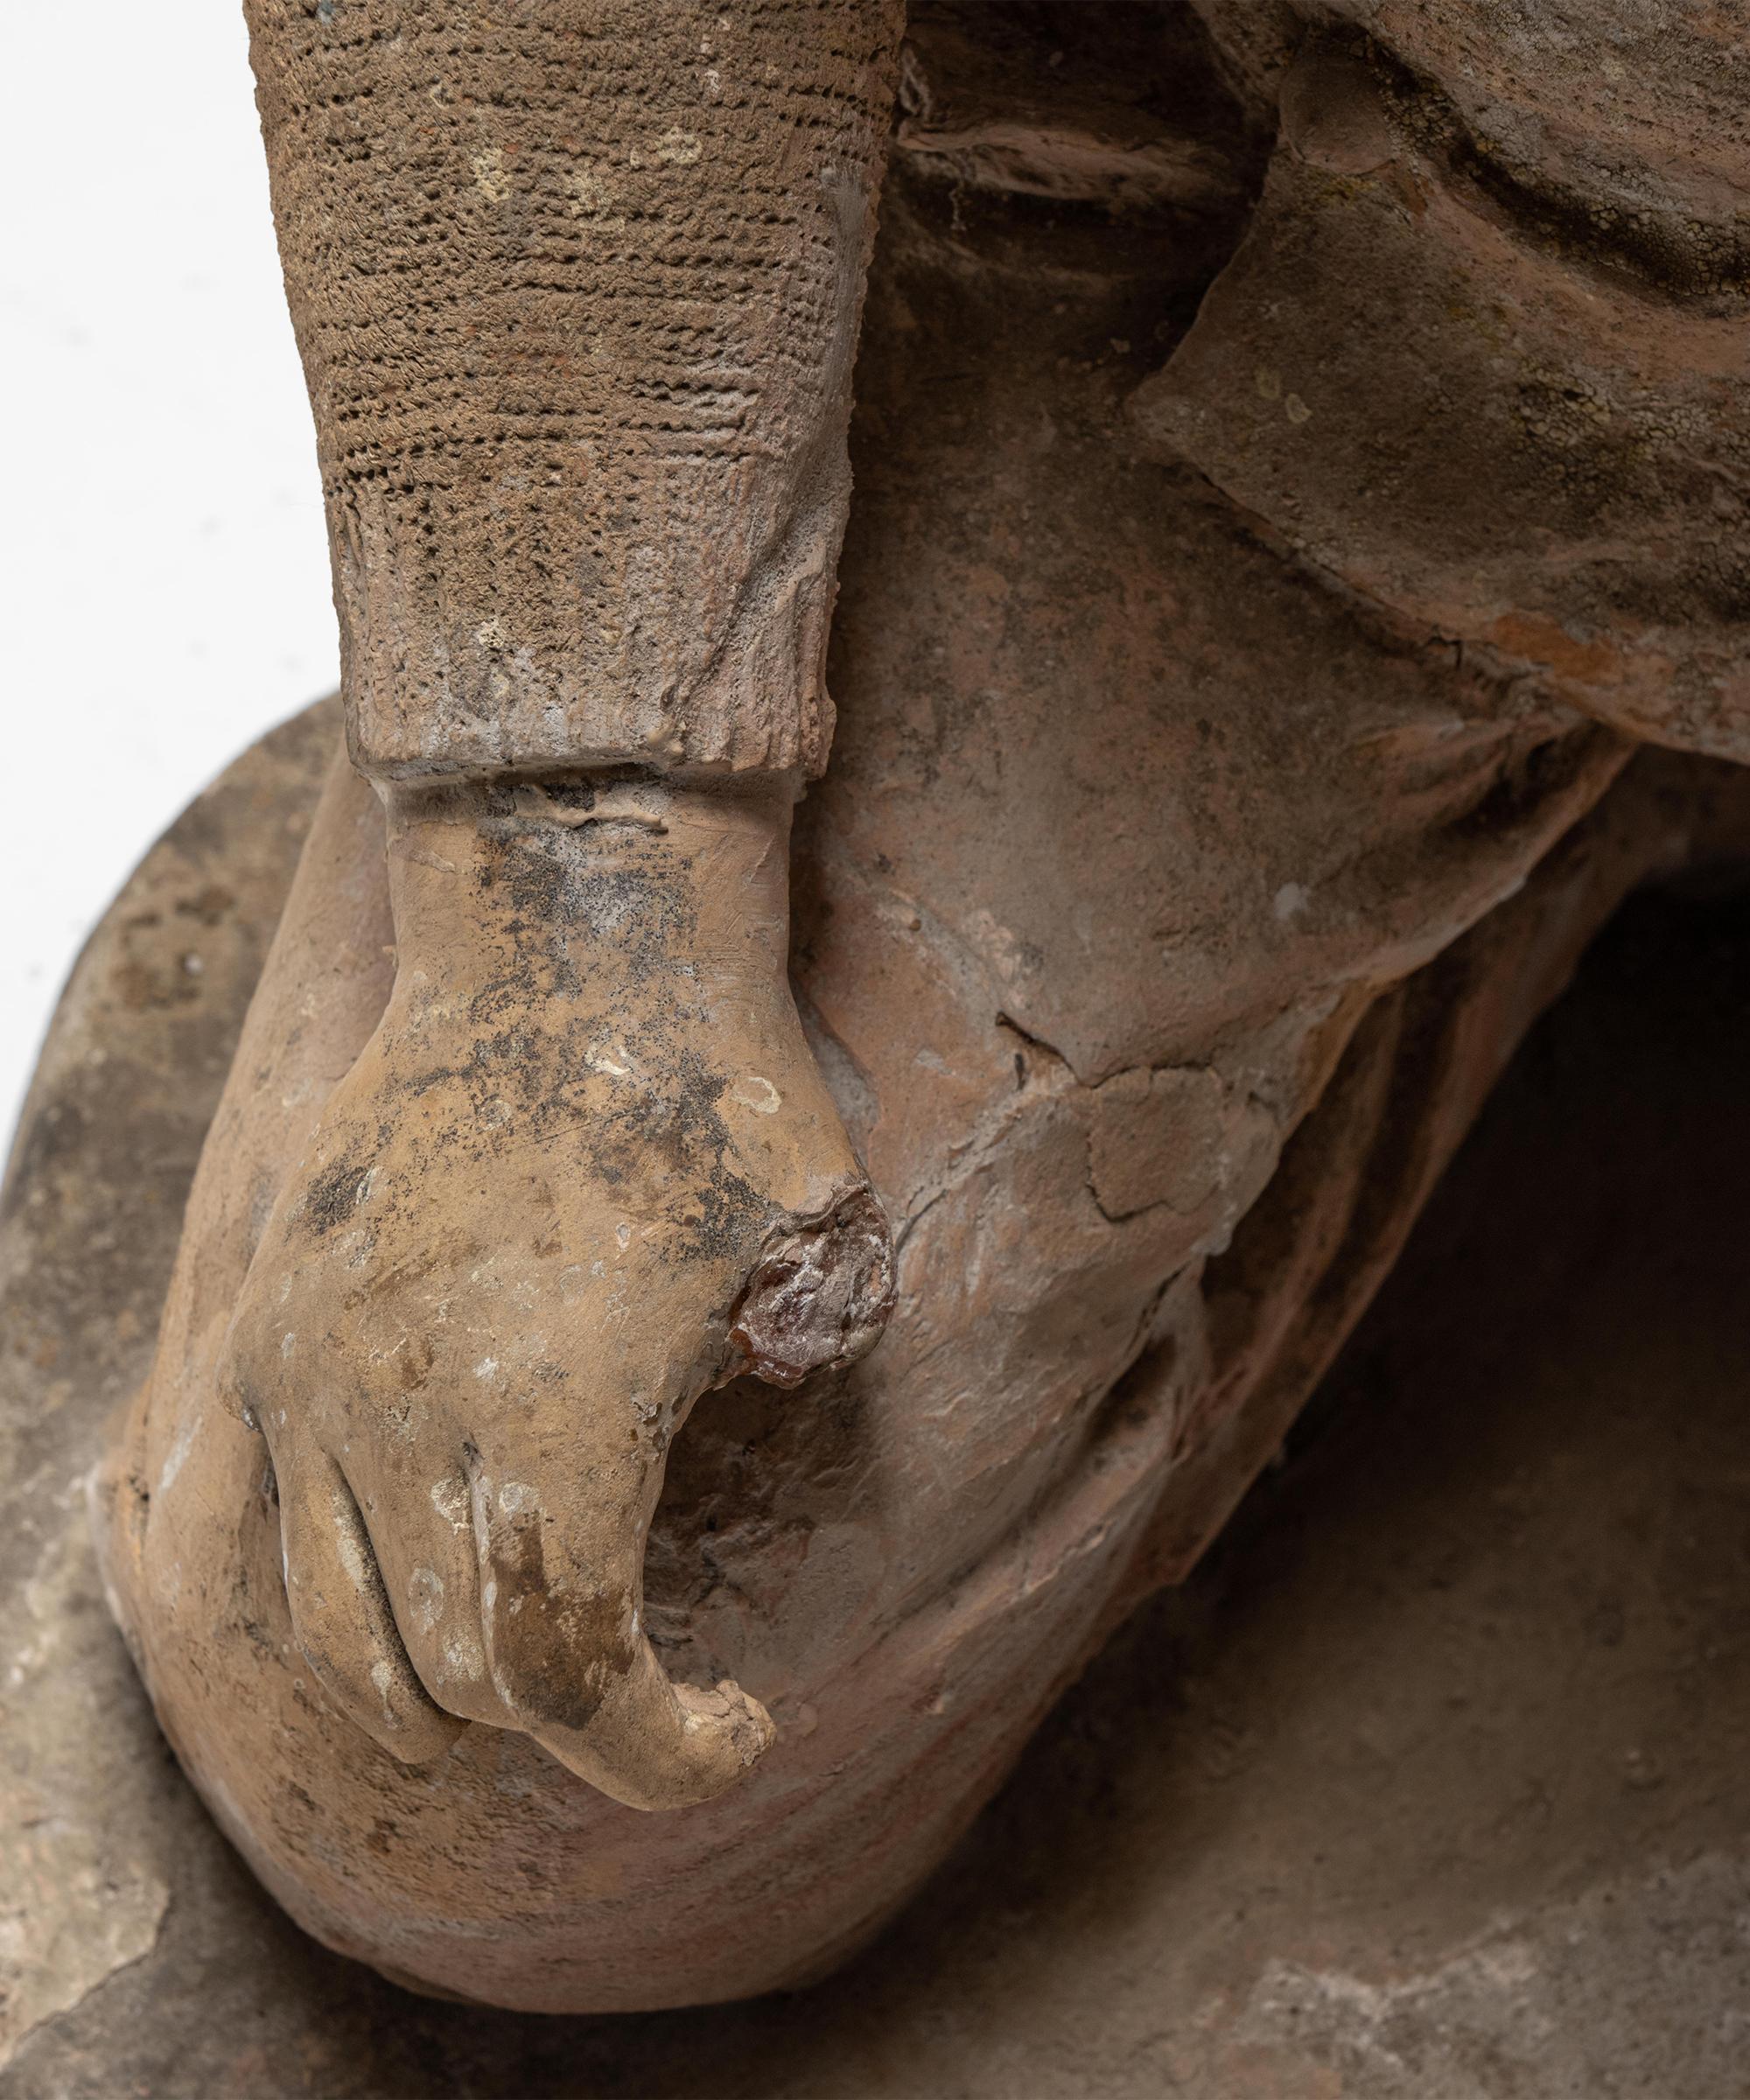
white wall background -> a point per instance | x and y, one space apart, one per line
163 576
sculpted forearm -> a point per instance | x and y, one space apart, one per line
576 288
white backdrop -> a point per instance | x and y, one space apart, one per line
163 568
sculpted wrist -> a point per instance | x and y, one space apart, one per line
569 875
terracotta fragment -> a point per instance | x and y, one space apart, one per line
1264 562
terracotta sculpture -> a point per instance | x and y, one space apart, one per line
554 1592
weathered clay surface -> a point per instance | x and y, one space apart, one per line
1429 1784
1482 353
905 1564
1166 915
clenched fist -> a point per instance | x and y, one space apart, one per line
585 1171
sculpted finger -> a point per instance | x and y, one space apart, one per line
653 1744
431 1571
560 1614
341 1614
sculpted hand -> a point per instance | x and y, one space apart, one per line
585 1171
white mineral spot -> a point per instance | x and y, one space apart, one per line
680 149
384 1682
999 945
346 1544
490 178
1295 409
516 1496
491 634
592 198
425 1591
178 1451
462 1657
450 1500
759 1095
1290 902
487 1368
622 1233
287 1343
601 1060
194 965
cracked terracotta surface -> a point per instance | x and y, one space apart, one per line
1234 754
1417 1784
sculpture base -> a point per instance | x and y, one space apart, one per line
1445 1791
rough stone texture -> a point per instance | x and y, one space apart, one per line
1430 1783
577 290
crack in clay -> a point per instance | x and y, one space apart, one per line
12 2043
78 1903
